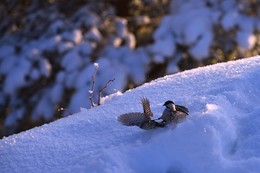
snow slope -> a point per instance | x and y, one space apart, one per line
222 133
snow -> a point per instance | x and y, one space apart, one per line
56 93
16 77
7 64
164 46
93 35
45 67
72 61
192 26
201 49
44 108
121 27
172 65
220 135
246 40
60 46
79 99
96 65
17 115
6 50
229 20
74 36
65 46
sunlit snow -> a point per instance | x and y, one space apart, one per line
220 135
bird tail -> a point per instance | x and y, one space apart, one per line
132 119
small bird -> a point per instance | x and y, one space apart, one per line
173 112
142 120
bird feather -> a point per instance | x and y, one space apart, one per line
146 107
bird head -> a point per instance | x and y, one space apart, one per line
170 104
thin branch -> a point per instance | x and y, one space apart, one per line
101 90
93 85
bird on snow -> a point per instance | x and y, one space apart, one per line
173 113
142 120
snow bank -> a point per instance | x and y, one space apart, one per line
221 134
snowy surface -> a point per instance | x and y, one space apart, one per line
222 133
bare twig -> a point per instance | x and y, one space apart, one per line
93 85
101 90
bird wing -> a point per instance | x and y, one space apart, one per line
182 109
146 107
167 115
132 119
